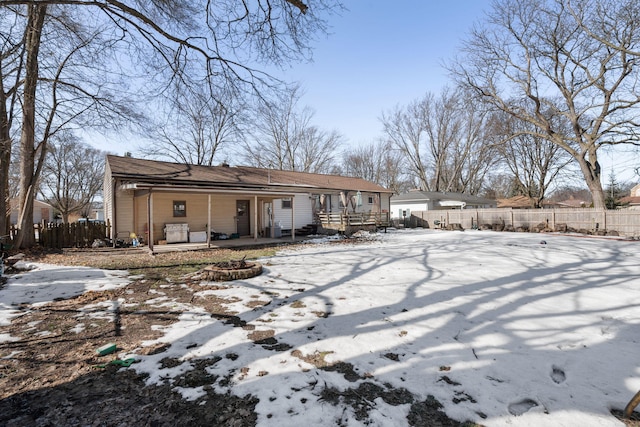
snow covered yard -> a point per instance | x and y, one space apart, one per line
503 329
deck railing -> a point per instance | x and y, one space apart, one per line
379 219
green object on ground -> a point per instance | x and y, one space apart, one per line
106 349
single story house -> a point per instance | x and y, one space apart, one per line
163 202
402 205
632 201
524 202
42 212
573 203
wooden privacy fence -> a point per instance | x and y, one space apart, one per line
73 235
625 222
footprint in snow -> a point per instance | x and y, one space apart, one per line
522 406
557 375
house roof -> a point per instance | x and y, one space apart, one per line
515 202
572 202
630 200
524 202
15 202
437 196
157 172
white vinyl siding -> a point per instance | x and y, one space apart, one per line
303 212
397 208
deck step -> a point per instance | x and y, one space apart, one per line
307 230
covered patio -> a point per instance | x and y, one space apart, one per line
214 212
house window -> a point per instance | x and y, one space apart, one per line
370 200
179 208
286 203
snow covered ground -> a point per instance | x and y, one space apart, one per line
505 329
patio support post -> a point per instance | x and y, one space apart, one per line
272 221
255 218
208 220
293 219
150 219
114 212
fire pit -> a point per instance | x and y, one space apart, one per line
231 270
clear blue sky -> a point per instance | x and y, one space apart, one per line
381 54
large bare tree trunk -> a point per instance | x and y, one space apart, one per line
5 211
5 161
28 175
592 176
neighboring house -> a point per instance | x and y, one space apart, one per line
524 202
213 200
94 213
41 212
632 201
572 202
403 204
97 213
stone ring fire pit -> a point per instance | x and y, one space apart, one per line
231 270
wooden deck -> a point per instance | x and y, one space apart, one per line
352 222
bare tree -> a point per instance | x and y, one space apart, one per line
284 138
540 54
535 163
444 141
405 130
379 163
11 55
499 185
73 175
471 152
56 83
197 128
31 157
168 41
317 148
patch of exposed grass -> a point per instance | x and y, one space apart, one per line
184 262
